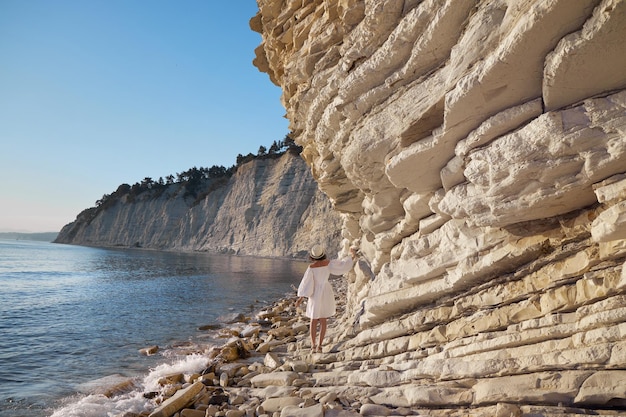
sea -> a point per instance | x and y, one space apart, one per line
73 320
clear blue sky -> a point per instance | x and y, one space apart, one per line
97 93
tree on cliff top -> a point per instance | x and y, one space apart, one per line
195 179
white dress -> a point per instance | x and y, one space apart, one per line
315 286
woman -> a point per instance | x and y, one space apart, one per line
316 287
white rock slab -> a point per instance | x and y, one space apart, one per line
590 61
603 388
178 400
274 378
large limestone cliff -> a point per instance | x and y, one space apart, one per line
476 150
269 207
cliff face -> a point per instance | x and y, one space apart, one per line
477 152
269 207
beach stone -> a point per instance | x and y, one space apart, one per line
171 379
299 328
269 345
228 332
149 351
232 318
241 372
151 395
271 360
170 390
272 405
250 330
274 378
174 404
109 386
265 314
215 326
245 380
274 391
328 398
235 413
293 411
188 412
223 379
281 332
308 402
191 377
374 410
256 367
212 410
243 383
218 398
208 379
236 399
229 353
119 388
230 368
297 365
202 400
335 412
302 382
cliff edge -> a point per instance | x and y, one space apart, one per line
477 153
269 207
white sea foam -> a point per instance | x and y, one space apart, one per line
187 366
98 405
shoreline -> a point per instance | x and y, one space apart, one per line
70 390
303 258
264 368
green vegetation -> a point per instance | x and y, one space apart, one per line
277 149
197 182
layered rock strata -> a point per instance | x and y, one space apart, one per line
266 368
477 153
269 207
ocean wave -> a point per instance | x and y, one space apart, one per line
96 402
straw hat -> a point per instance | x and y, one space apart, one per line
317 252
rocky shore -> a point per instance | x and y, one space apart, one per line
266 368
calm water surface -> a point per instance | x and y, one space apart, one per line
72 315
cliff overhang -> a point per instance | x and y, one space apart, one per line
477 153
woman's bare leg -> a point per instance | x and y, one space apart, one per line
313 332
322 332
